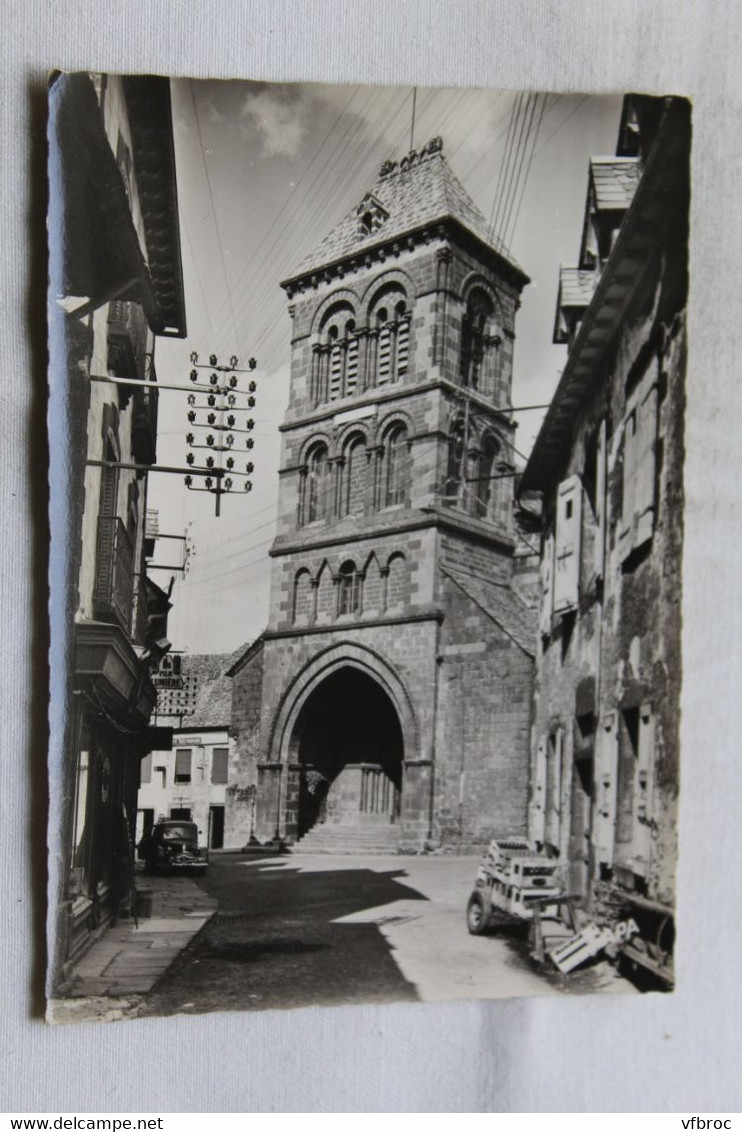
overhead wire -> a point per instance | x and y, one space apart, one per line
214 214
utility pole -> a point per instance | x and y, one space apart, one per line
217 417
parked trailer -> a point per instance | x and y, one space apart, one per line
514 881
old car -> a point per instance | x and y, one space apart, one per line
173 845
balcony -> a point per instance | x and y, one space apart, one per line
113 593
127 344
144 420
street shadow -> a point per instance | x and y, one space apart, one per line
275 943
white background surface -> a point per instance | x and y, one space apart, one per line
660 1053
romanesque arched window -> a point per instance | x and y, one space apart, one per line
486 495
354 472
302 597
476 338
390 319
350 582
317 485
396 467
335 356
398 582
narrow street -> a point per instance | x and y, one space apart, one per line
331 930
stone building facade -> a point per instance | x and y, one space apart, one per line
395 671
609 462
192 777
116 287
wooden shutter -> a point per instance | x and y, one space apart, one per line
553 808
537 823
220 765
183 764
600 502
567 552
606 768
642 808
145 770
645 458
547 586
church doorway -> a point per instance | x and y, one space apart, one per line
348 742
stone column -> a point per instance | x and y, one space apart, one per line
301 501
440 336
314 390
290 807
267 811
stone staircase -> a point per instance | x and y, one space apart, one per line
368 838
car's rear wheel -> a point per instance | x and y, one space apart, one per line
478 913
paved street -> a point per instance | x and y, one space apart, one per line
324 930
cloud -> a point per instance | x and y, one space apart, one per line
278 115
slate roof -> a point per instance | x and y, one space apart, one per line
614 180
576 286
506 608
415 193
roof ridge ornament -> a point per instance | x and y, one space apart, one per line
414 157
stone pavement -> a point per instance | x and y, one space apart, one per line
128 960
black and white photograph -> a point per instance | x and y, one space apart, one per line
367 419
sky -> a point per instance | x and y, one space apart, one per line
264 172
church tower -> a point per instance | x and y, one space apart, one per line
397 659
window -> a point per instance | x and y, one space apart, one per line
553 790
335 357
145 770
537 817
183 765
336 365
351 360
317 487
475 341
353 496
486 493
384 349
396 467
546 574
567 545
220 766
634 789
392 322
349 589
639 462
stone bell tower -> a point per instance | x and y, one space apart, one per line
397 659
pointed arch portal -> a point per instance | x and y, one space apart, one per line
346 726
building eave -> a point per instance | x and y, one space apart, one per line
438 229
659 193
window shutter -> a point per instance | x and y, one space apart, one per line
554 789
600 501
351 367
547 586
538 793
403 344
336 372
642 808
645 459
606 765
145 771
567 555
384 356
183 765
219 765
